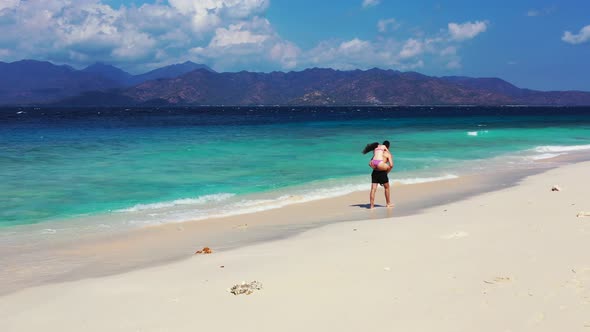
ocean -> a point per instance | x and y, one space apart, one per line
123 168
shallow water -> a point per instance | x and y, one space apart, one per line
134 167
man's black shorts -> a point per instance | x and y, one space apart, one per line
379 177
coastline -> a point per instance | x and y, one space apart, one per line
109 254
509 259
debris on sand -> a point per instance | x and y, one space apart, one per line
583 214
502 279
204 251
498 280
555 188
245 288
242 226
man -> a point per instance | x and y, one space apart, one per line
381 178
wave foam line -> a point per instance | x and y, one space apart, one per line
258 205
546 156
182 201
476 133
423 180
561 148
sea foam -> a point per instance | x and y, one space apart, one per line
545 156
237 205
182 201
477 133
561 148
429 179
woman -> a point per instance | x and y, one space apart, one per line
381 156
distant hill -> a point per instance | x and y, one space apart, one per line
34 82
29 81
170 72
495 85
110 72
311 87
333 87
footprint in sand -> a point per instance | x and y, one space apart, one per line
580 279
498 280
242 227
502 279
537 318
456 235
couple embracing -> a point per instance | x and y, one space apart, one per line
381 163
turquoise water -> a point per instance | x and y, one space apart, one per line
60 164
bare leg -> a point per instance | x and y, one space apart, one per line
387 195
372 195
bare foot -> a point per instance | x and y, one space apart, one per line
390 205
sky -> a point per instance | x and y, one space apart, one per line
540 44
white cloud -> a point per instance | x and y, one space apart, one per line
411 48
370 3
409 54
227 35
540 12
414 65
581 37
286 53
467 30
8 4
384 25
239 9
450 50
236 35
247 45
454 64
83 31
354 46
351 54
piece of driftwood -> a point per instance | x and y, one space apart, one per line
583 214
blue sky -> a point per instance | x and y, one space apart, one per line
541 44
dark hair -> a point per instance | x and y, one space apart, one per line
386 143
370 147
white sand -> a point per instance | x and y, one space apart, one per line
512 260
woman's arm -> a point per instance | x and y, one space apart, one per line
389 157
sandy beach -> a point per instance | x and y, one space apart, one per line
513 259
294 166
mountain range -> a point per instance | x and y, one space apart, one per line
40 82
34 82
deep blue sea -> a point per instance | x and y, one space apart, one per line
146 166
